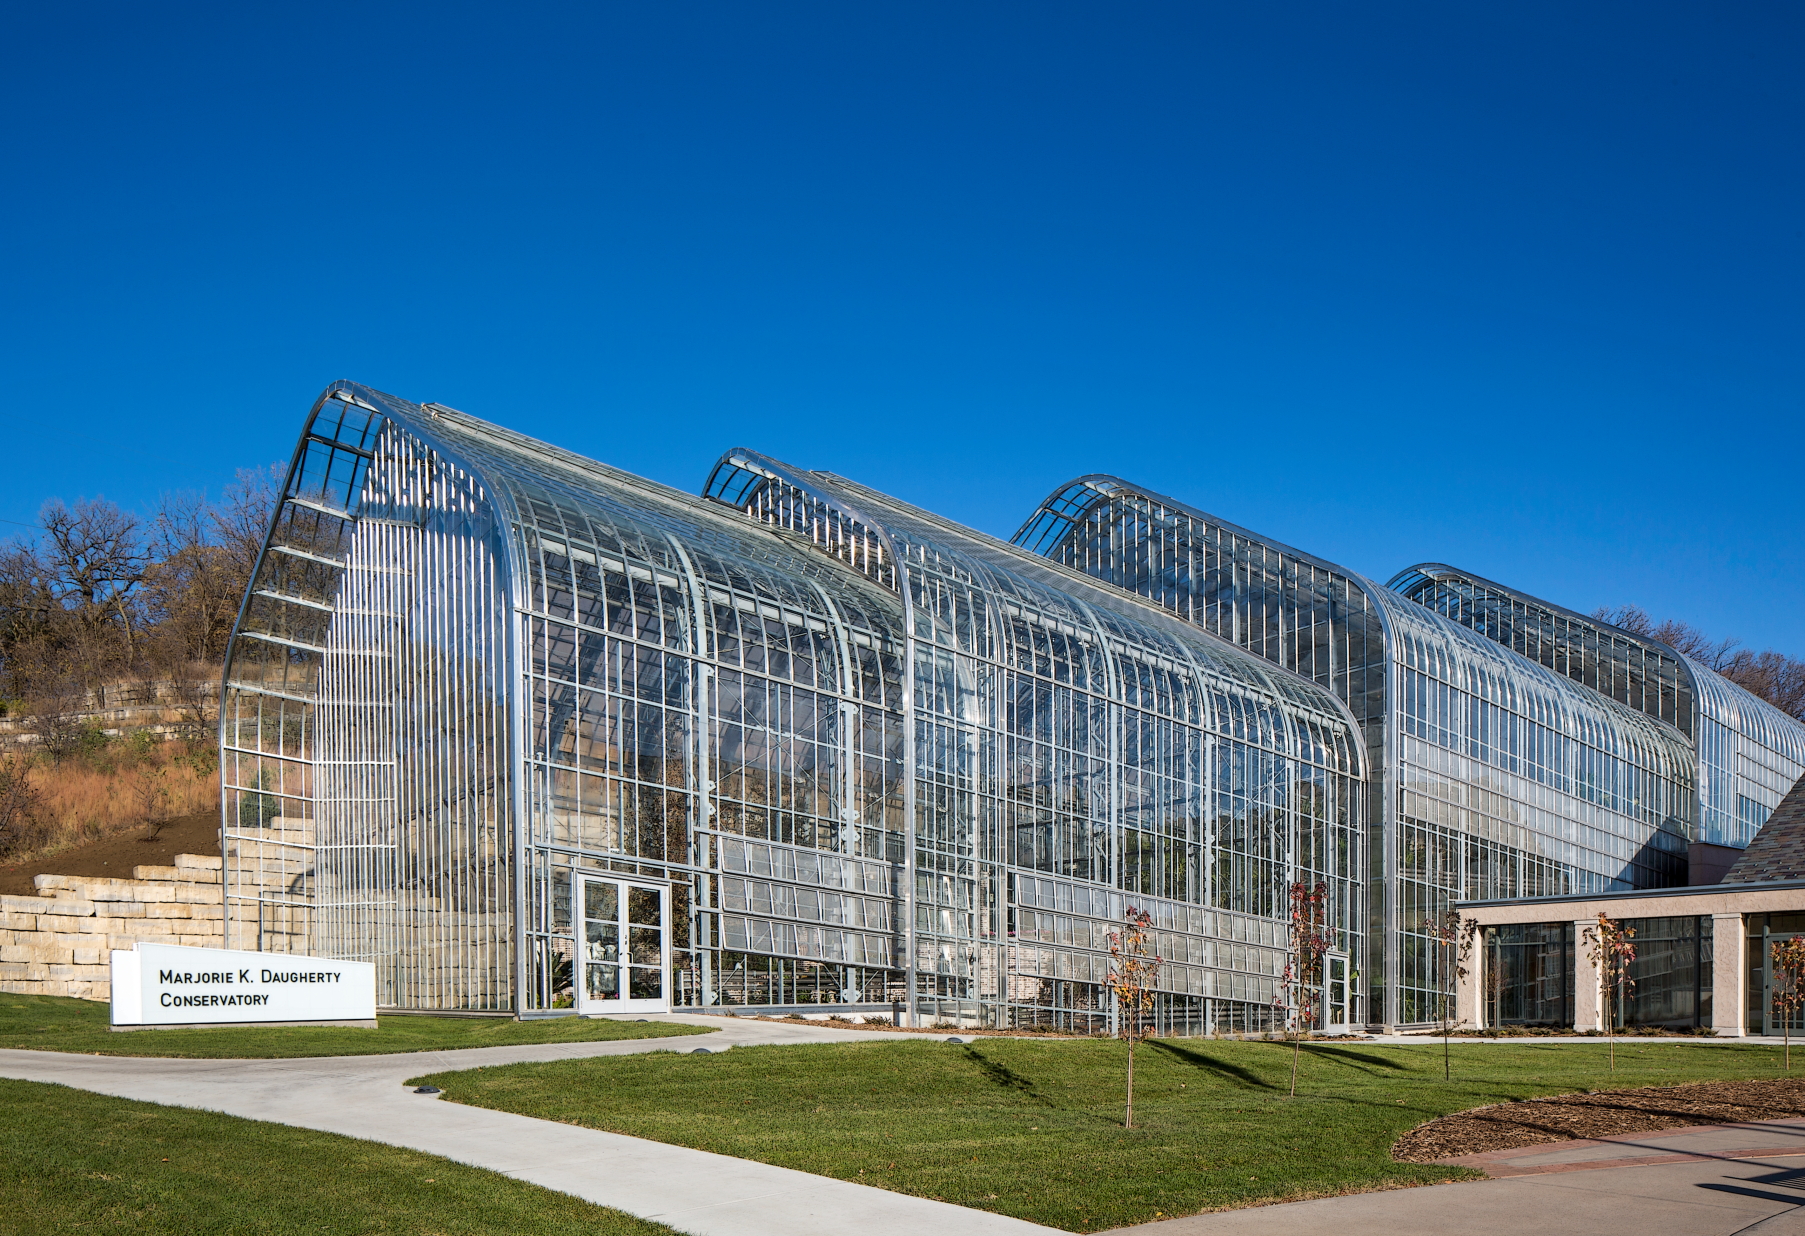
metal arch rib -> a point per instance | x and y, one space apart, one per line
418 421
803 481
1108 487
1439 571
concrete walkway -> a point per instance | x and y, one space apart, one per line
692 1190
1753 1197
1707 1180
1697 1143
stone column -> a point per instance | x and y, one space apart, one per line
1588 988
1468 1007
1729 975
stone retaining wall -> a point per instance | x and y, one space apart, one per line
56 944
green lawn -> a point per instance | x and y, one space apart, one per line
56 1023
1033 1129
72 1161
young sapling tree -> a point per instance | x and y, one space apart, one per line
1610 946
1788 959
1133 971
1300 987
1454 937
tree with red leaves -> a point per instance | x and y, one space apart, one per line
1300 988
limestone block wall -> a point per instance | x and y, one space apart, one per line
56 944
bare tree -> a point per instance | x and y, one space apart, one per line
193 590
29 616
21 804
56 714
96 558
99 598
242 518
150 787
1773 676
191 587
71 605
1682 637
1133 971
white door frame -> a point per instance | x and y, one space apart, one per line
1330 962
612 958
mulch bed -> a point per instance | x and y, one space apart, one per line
1603 1113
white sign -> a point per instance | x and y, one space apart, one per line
166 984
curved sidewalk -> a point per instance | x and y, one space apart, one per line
1704 1180
692 1190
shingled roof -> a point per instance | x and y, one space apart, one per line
1778 850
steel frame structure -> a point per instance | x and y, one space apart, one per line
1749 752
878 758
1490 775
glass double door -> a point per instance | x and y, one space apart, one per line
624 945
1336 1004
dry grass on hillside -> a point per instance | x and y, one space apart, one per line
105 793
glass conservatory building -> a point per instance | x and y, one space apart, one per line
1750 753
533 734
1491 775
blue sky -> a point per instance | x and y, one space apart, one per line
1513 287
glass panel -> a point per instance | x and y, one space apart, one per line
647 984
600 901
643 906
602 942
645 946
603 982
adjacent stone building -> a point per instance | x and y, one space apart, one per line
1703 952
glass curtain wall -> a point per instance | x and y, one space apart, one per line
1527 975
1632 669
1749 753
603 675
364 723
873 757
1671 976
1764 931
1492 776
1076 753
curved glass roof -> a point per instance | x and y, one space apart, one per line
1348 632
1748 751
1101 518
1011 577
473 663
1632 669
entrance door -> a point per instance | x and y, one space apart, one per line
1334 991
624 945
